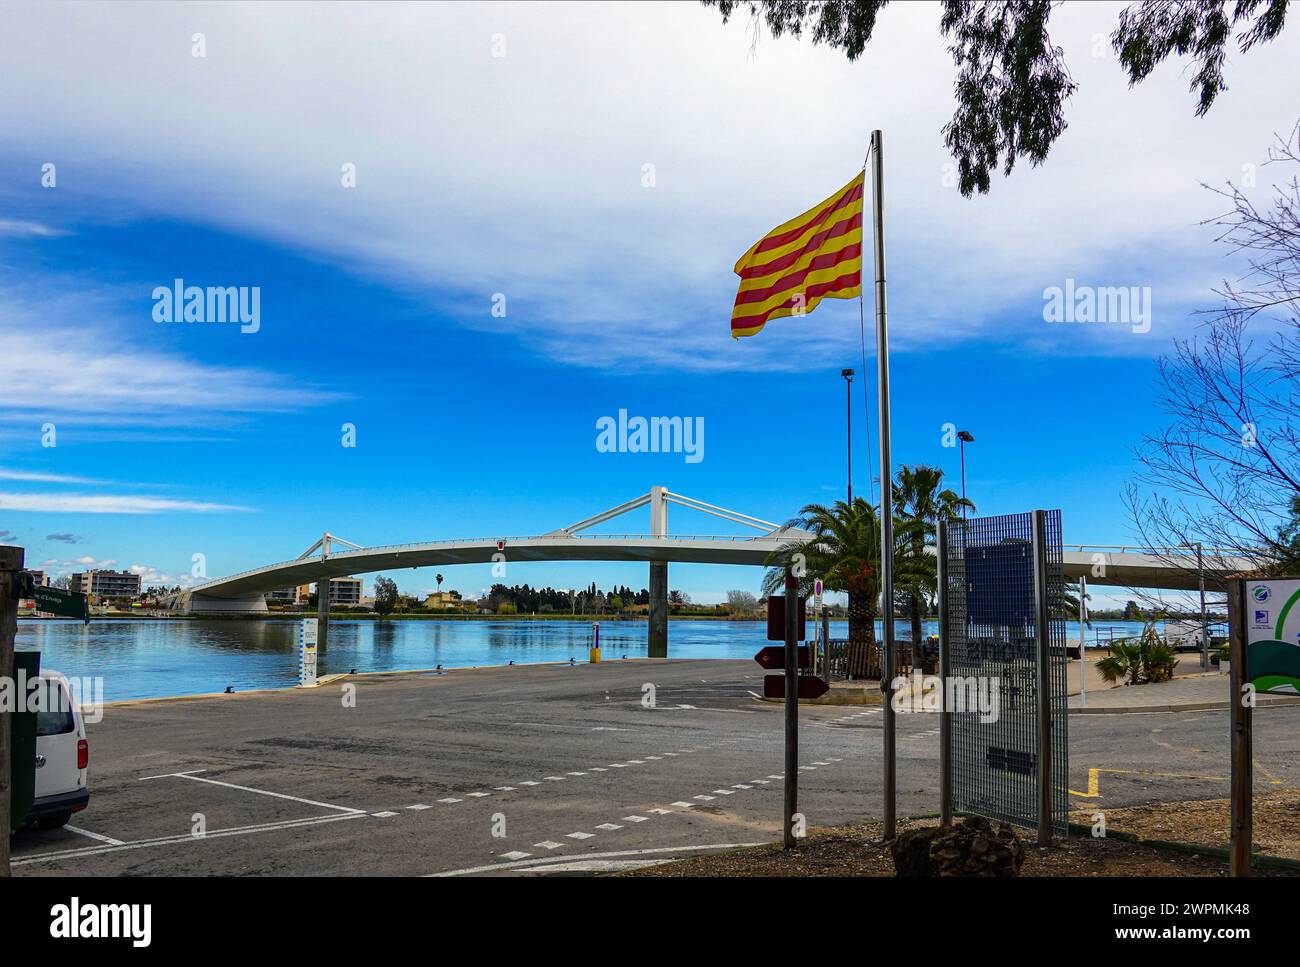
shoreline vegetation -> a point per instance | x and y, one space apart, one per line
371 616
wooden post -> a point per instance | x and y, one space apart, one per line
11 564
1242 764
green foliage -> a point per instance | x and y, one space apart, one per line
385 596
1012 82
1138 661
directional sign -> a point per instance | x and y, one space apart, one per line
809 686
70 604
773 657
776 618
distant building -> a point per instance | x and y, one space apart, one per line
39 578
283 596
107 584
443 599
344 591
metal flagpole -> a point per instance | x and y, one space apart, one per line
886 489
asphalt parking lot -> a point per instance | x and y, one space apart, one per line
540 770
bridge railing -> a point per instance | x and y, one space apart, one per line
587 538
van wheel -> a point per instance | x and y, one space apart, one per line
54 820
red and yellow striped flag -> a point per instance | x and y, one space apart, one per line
813 257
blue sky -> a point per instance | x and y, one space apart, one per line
525 175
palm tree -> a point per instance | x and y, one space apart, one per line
844 551
919 500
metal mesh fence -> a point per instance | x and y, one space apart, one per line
993 649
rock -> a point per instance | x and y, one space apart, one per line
973 847
913 849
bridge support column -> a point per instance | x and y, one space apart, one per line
658 636
322 614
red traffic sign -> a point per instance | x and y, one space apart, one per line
773 657
776 619
809 686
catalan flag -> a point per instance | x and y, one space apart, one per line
813 257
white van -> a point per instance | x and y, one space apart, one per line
62 755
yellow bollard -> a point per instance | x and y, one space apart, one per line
595 643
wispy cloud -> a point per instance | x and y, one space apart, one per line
32 476
108 504
16 228
552 210
64 538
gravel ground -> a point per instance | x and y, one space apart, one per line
856 851
1275 822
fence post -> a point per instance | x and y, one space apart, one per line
1043 634
11 565
945 669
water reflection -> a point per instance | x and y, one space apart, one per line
143 658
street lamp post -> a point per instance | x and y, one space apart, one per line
848 412
1205 625
965 437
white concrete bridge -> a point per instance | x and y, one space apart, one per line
245 592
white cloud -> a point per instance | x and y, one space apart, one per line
522 174
17 228
37 477
88 376
107 504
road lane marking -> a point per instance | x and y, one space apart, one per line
183 839
580 835
384 815
1094 775
609 826
544 861
449 799
547 844
634 819
171 775
418 806
515 854
87 833
263 792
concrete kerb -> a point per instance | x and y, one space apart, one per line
333 678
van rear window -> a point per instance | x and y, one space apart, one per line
55 716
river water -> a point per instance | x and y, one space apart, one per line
145 659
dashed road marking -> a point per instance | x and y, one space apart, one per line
580 835
515 854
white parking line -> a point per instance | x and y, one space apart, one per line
543 861
185 838
261 792
85 832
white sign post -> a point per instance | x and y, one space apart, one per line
1273 634
307 636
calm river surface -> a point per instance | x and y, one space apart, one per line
144 659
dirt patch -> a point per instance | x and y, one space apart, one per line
1275 822
857 851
